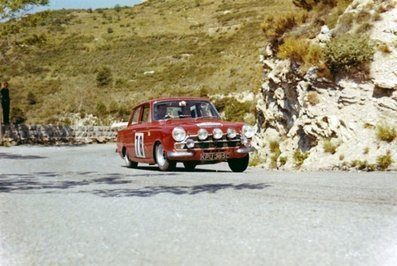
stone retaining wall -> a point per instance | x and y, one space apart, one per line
57 134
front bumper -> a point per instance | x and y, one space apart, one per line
196 154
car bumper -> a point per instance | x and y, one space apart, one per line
197 154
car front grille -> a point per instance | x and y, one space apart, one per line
211 143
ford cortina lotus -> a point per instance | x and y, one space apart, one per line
187 130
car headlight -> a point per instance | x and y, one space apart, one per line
190 144
202 134
217 133
248 131
179 134
231 133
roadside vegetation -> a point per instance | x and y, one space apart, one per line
349 49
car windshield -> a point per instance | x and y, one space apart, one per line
184 109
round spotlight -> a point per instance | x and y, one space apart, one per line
179 134
231 133
202 134
248 131
190 144
217 133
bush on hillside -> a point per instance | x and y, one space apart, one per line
300 50
233 109
386 132
384 161
31 98
18 116
348 51
104 76
275 27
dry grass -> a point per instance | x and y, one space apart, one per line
329 146
384 48
312 98
384 161
385 132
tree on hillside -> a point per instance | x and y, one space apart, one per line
10 8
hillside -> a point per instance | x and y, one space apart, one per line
103 61
329 100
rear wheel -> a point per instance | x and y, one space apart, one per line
190 165
163 163
239 164
128 162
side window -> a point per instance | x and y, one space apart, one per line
146 114
135 116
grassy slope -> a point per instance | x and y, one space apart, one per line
190 45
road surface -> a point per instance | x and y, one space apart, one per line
79 205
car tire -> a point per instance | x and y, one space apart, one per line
163 163
239 165
189 165
129 163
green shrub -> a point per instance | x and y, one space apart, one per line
299 158
363 165
329 147
386 133
274 147
348 51
18 116
104 76
283 160
31 98
234 110
384 161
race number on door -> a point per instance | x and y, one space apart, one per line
139 150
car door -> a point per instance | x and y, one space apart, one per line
130 135
142 136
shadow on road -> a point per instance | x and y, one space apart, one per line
19 157
52 182
180 169
176 190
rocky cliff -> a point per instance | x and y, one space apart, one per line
309 122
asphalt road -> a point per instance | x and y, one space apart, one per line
81 206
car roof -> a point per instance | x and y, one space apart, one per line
182 98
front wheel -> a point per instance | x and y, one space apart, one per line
239 164
129 163
163 163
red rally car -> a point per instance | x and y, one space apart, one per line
186 129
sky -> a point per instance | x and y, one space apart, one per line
85 4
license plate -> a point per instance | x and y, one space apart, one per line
214 156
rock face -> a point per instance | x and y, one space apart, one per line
51 134
309 114
384 67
